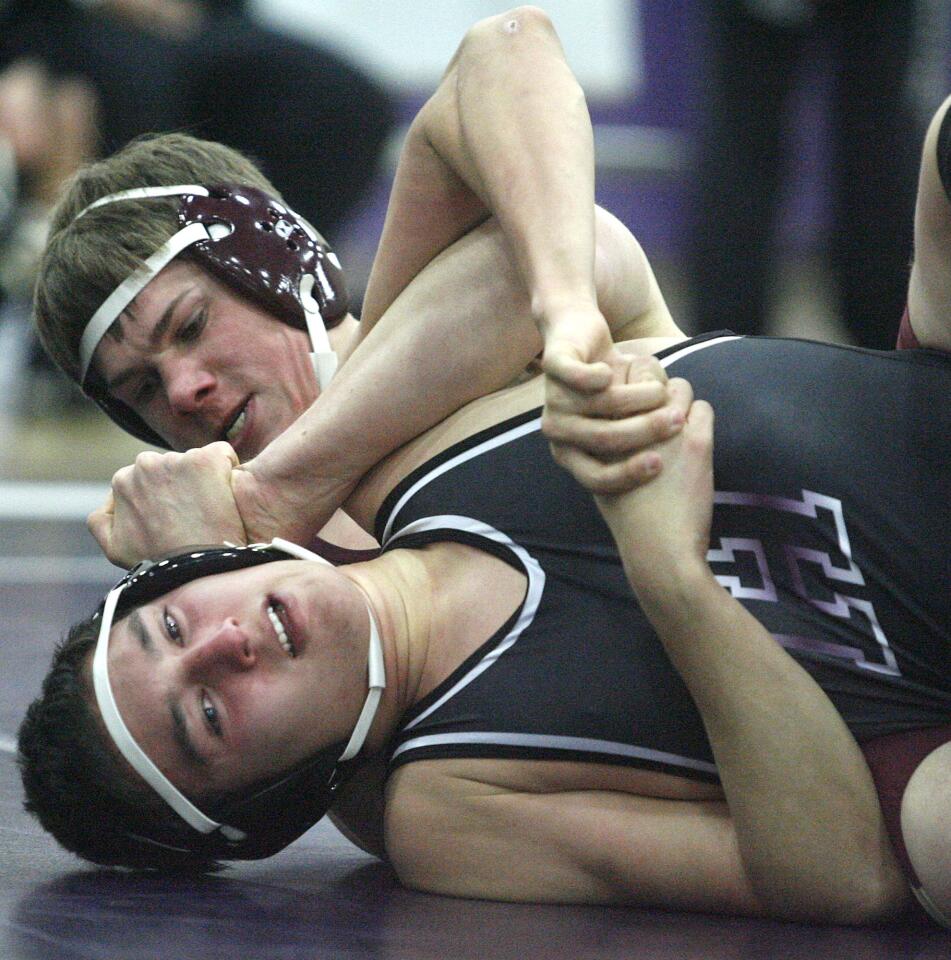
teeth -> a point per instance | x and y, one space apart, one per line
272 614
237 426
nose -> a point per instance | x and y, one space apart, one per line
224 648
188 385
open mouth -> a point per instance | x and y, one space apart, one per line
234 429
278 617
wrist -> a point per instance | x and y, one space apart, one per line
679 591
548 306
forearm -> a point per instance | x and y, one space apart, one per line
429 354
506 133
805 808
535 158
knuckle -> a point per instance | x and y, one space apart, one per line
681 389
122 477
148 458
557 452
657 369
551 426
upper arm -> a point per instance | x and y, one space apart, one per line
628 294
929 293
466 838
926 826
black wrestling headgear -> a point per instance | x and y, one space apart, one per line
274 814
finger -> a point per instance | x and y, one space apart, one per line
645 368
149 460
680 393
563 365
121 482
99 524
617 401
698 429
223 449
613 439
606 478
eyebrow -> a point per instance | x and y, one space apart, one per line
158 331
183 740
142 634
182 737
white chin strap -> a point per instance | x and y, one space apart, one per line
323 358
139 760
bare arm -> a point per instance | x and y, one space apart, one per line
449 832
806 814
427 356
929 292
507 132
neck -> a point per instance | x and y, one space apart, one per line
398 590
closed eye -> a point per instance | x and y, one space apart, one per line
193 327
145 390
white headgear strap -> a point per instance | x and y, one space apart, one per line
139 760
130 288
323 358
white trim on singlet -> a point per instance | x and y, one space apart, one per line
533 594
520 431
537 741
536 582
516 432
536 585
693 348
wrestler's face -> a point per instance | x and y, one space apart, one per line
199 363
206 688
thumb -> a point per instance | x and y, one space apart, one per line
100 522
224 449
563 361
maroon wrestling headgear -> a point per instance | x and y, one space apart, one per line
249 241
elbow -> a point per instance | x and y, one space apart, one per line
526 22
857 903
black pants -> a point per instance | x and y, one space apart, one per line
874 149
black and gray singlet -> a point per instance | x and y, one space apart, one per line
831 525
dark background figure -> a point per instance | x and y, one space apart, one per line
757 51
80 80
316 122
